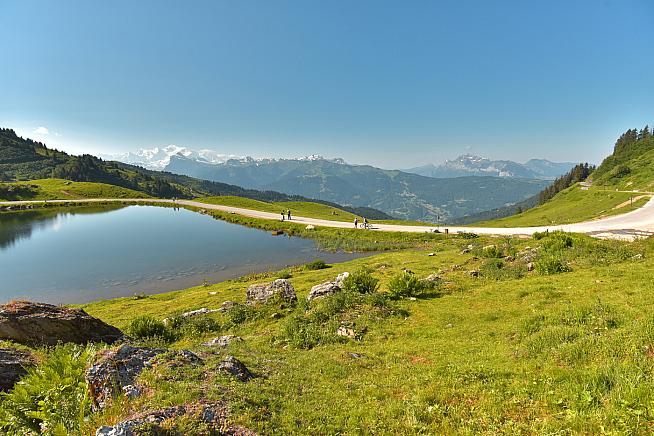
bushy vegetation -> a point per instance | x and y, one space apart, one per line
52 399
316 265
148 327
405 285
361 281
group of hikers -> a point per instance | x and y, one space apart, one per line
286 215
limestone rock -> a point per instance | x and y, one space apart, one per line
13 364
323 289
39 324
202 311
281 288
116 370
341 278
234 367
222 341
213 414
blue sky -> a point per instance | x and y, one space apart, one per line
395 84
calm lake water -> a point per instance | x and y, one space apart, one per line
86 254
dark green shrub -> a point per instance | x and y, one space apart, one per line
556 241
284 274
53 396
361 281
467 235
406 284
193 325
148 327
491 252
549 265
316 265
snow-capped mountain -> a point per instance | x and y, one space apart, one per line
470 165
157 158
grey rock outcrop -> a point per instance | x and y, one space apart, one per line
214 414
234 367
38 324
13 366
116 370
280 288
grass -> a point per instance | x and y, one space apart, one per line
550 352
59 189
570 206
299 208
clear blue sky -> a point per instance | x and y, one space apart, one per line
394 84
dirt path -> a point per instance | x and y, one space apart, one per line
628 226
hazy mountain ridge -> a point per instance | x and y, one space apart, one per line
471 165
398 193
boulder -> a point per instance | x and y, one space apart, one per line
213 414
323 289
13 364
310 227
530 266
117 370
234 367
280 288
222 341
40 324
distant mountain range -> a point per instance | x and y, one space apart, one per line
401 194
158 158
470 165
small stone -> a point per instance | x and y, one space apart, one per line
131 391
232 366
226 306
310 227
276 315
355 355
449 326
465 251
213 293
202 311
530 266
346 332
222 341
473 273
431 254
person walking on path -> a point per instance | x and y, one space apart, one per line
356 222
365 223
289 214
282 215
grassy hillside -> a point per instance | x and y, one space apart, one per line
299 208
629 168
570 206
51 189
510 351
